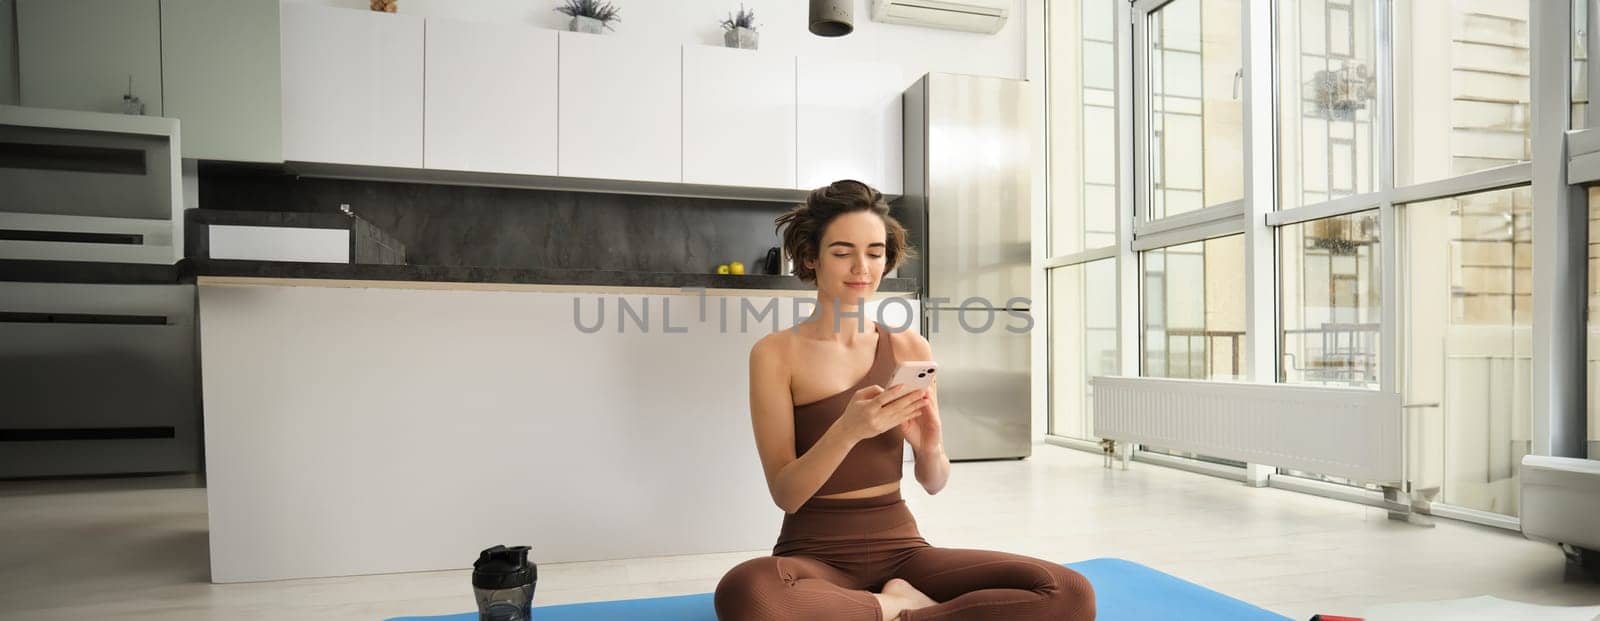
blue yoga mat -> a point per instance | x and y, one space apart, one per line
1123 591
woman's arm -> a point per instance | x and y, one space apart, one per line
792 481
927 430
933 466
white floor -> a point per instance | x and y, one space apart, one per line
136 548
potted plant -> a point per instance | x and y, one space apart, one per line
591 16
740 30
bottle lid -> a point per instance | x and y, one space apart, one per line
501 567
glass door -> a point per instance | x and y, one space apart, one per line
1466 342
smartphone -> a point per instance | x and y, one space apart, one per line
914 374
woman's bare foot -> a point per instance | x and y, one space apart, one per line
899 596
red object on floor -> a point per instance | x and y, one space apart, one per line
1334 618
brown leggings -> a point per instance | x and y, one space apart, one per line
831 552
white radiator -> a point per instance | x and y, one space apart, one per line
1343 432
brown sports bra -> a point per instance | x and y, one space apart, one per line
873 461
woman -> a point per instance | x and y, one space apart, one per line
849 547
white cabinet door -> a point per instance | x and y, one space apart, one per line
222 78
81 55
491 98
849 123
621 109
352 86
738 117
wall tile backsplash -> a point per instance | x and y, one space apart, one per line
519 228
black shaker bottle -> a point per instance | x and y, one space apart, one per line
502 579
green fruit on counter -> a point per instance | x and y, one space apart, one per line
736 268
723 269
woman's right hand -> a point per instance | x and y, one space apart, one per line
874 410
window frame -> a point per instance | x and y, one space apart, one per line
1206 216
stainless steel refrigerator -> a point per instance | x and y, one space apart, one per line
967 190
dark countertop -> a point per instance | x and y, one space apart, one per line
500 275
270 218
187 270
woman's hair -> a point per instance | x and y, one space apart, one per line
803 225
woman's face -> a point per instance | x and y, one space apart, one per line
851 259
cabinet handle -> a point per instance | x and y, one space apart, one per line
97 318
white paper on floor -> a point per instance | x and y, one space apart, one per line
1483 607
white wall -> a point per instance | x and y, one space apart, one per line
782 24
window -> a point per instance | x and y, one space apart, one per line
1083 342
1328 100
1466 280
1196 106
1193 316
1383 118
1082 67
1081 41
1193 310
1461 87
1329 282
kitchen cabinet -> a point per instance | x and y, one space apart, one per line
490 98
100 379
221 78
81 55
352 86
848 122
212 65
92 186
738 117
621 109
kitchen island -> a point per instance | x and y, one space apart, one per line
369 419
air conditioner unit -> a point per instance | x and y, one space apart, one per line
986 16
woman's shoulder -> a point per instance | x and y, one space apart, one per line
909 344
772 348
769 363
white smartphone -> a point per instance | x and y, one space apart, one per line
914 374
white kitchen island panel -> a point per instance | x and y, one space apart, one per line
369 430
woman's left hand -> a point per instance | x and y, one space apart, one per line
925 430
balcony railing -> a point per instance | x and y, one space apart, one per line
1334 353
1189 353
